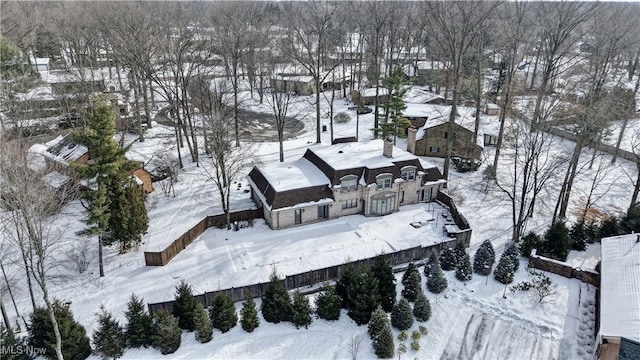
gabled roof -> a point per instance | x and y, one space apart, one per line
61 149
620 286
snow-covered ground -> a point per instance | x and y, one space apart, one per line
469 321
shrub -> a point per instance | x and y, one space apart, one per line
610 227
505 270
579 236
557 241
167 332
460 251
184 308
422 308
377 322
139 329
412 283
529 242
514 255
204 328
463 270
436 282
276 303
301 310
249 314
328 304
402 315
380 333
448 259
484 259
108 339
222 312
429 263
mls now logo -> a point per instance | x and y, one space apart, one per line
22 350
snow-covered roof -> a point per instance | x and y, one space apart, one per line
298 78
294 175
62 149
368 92
55 179
359 154
620 287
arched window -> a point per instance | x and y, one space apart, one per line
408 173
384 181
349 183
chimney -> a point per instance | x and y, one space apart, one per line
387 150
411 139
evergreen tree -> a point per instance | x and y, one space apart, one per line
436 282
505 269
579 236
75 343
463 270
276 303
347 275
9 341
222 312
484 258
301 310
557 241
363 297
249 313
128 218
394 124
412 283
428 266
460 251
448 259
514 255
609 227
630 223
383 271
204 328
422 308
402 315
167 333
380 332
108 339
184 308
328 304
529 242
139 329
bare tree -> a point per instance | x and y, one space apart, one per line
279 102
354 346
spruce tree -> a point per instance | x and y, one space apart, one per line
363 297
249 314
222 312
108 339
139 329
412 283
484 259
184 307
380 332
276 303
514 255
75 343
579 236
529 242
422 308
428 266
557 242
328 304
301 310
436 282
347 275
383 271
128 218
167 333
463 269
448 259
402 315
394 106
460 251
9 341
204 328
505 269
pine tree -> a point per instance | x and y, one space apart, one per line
9 341
347 275
505 269
276 303
108 339
460 251
380 332
484 259
402 315
448 259
204 328
184 308
301 310
529 242
249 313
139 329
328 304
223 312
395 105
128 218
383 271
436 282
578 234
422 308
167 333
463 270
557 242
512 252
75 343
412 283
363 297
428 266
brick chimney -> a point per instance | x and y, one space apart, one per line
411 139
387 150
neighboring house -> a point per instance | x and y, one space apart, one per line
492 109
431 140
328 182
368 96
619 332
299 84
40 64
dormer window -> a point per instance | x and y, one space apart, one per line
408 173
349 183
384 181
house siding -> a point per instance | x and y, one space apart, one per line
464 143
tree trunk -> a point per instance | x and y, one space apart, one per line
136 105
235 102
100 259
54 324
317 86
29 282
571 172
5 317
13 299
145 99
636 189
452 120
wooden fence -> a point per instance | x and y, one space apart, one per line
161 258
564 269
460 221
313 277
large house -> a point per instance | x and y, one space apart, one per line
372 178
431 138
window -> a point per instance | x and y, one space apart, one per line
349 183
383 204
434 149
349 204
323 212
298 216
384 181
408 173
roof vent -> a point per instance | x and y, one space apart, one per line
71 146
340 151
